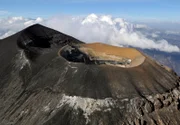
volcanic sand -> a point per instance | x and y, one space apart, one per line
108 52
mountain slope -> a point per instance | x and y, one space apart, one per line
172 60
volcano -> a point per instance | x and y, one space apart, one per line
50 78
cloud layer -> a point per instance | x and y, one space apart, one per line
11 25
93 28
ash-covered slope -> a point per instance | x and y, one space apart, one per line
171 60
49 78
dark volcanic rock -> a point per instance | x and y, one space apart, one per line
39 86
149 107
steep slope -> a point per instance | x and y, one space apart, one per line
172 60
49 78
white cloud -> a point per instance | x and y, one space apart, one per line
11 25
93 28
31 22
6 34
154 35
115 31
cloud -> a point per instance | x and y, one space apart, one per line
93 28
114 31
11 25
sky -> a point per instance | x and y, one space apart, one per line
166 10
